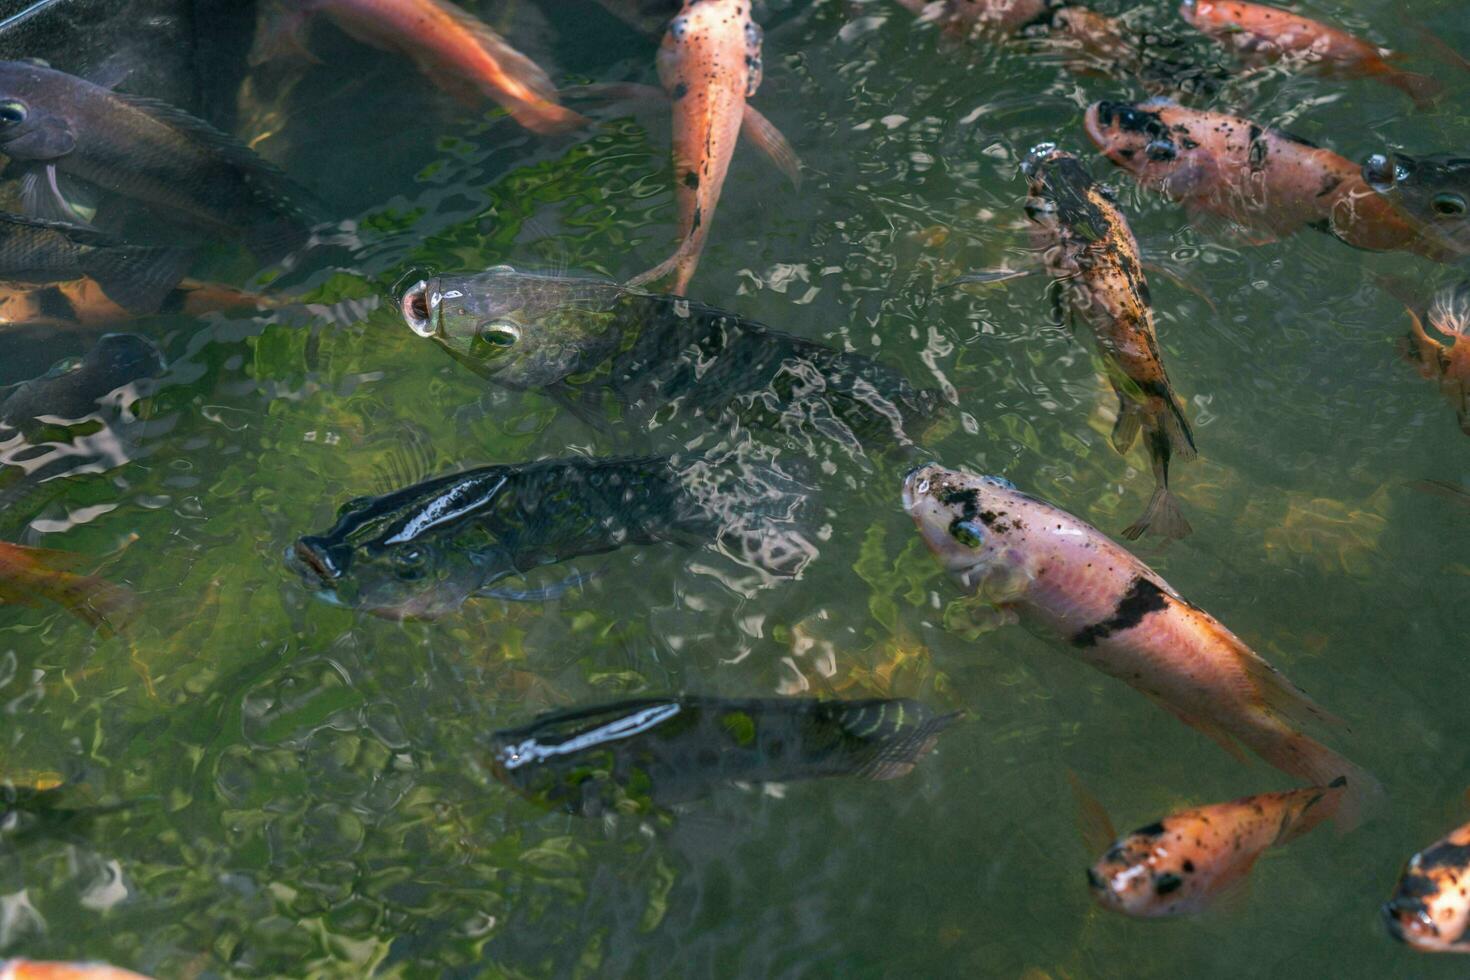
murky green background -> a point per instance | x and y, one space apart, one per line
306 792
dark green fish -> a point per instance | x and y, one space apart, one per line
177 166
655 752
420 552
575 338
74 391
1432 192
138 278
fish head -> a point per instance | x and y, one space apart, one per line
970 524
1061 193
34 123
1430 910
1147 140
519 329
1140 875
1431 192
412 554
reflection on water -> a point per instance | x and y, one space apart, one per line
260 783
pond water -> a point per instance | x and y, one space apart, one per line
294 788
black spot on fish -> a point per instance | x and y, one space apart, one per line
1330 183
968 500
1445 856
988 517
1143 597
1188 866
1166 883
691 180
1131 119
698 219
680 90
1152 830
1188 143
55 306
1258 151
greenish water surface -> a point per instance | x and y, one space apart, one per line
307 793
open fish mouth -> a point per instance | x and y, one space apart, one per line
419 306
313 565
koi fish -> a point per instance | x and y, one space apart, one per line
710 64
28 575
1430 909
84 303
456 50
1263 179
1448 363
37 970
1184 863
1091 254
969 18
1431 192
1037 563
1261 34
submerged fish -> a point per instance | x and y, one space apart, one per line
578 338
1447 363
84 303
29 575
1184 863
455 49
1267 181
180 168
421 551
969 18
1430 909
1431 192
38 970
656 752
1035 561
74 391
710 64
137 278
1093 258
1261 34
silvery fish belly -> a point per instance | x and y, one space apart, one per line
421 551
634 756
579 339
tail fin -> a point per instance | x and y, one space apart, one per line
1162 516
1425 91
1317 805
1307 759
898 751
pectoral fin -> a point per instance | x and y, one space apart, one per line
764 135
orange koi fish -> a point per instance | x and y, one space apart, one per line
31 574
970 18
84 303
1447 363
1260 178
1184 863
36 970
1261 34
1091 254
1039 564
1430 909
456 50
710 64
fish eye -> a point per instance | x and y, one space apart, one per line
408 564
1448 205
967 533
500 334
13 113
1161 151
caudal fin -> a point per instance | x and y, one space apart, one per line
1425 91
1307 759
1162 517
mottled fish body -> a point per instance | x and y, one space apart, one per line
1091 254
575 338
656 752
1430 908
1269 182
1184 863
1064 576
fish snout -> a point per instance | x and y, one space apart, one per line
314 557
1038 156
420 306
916 484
